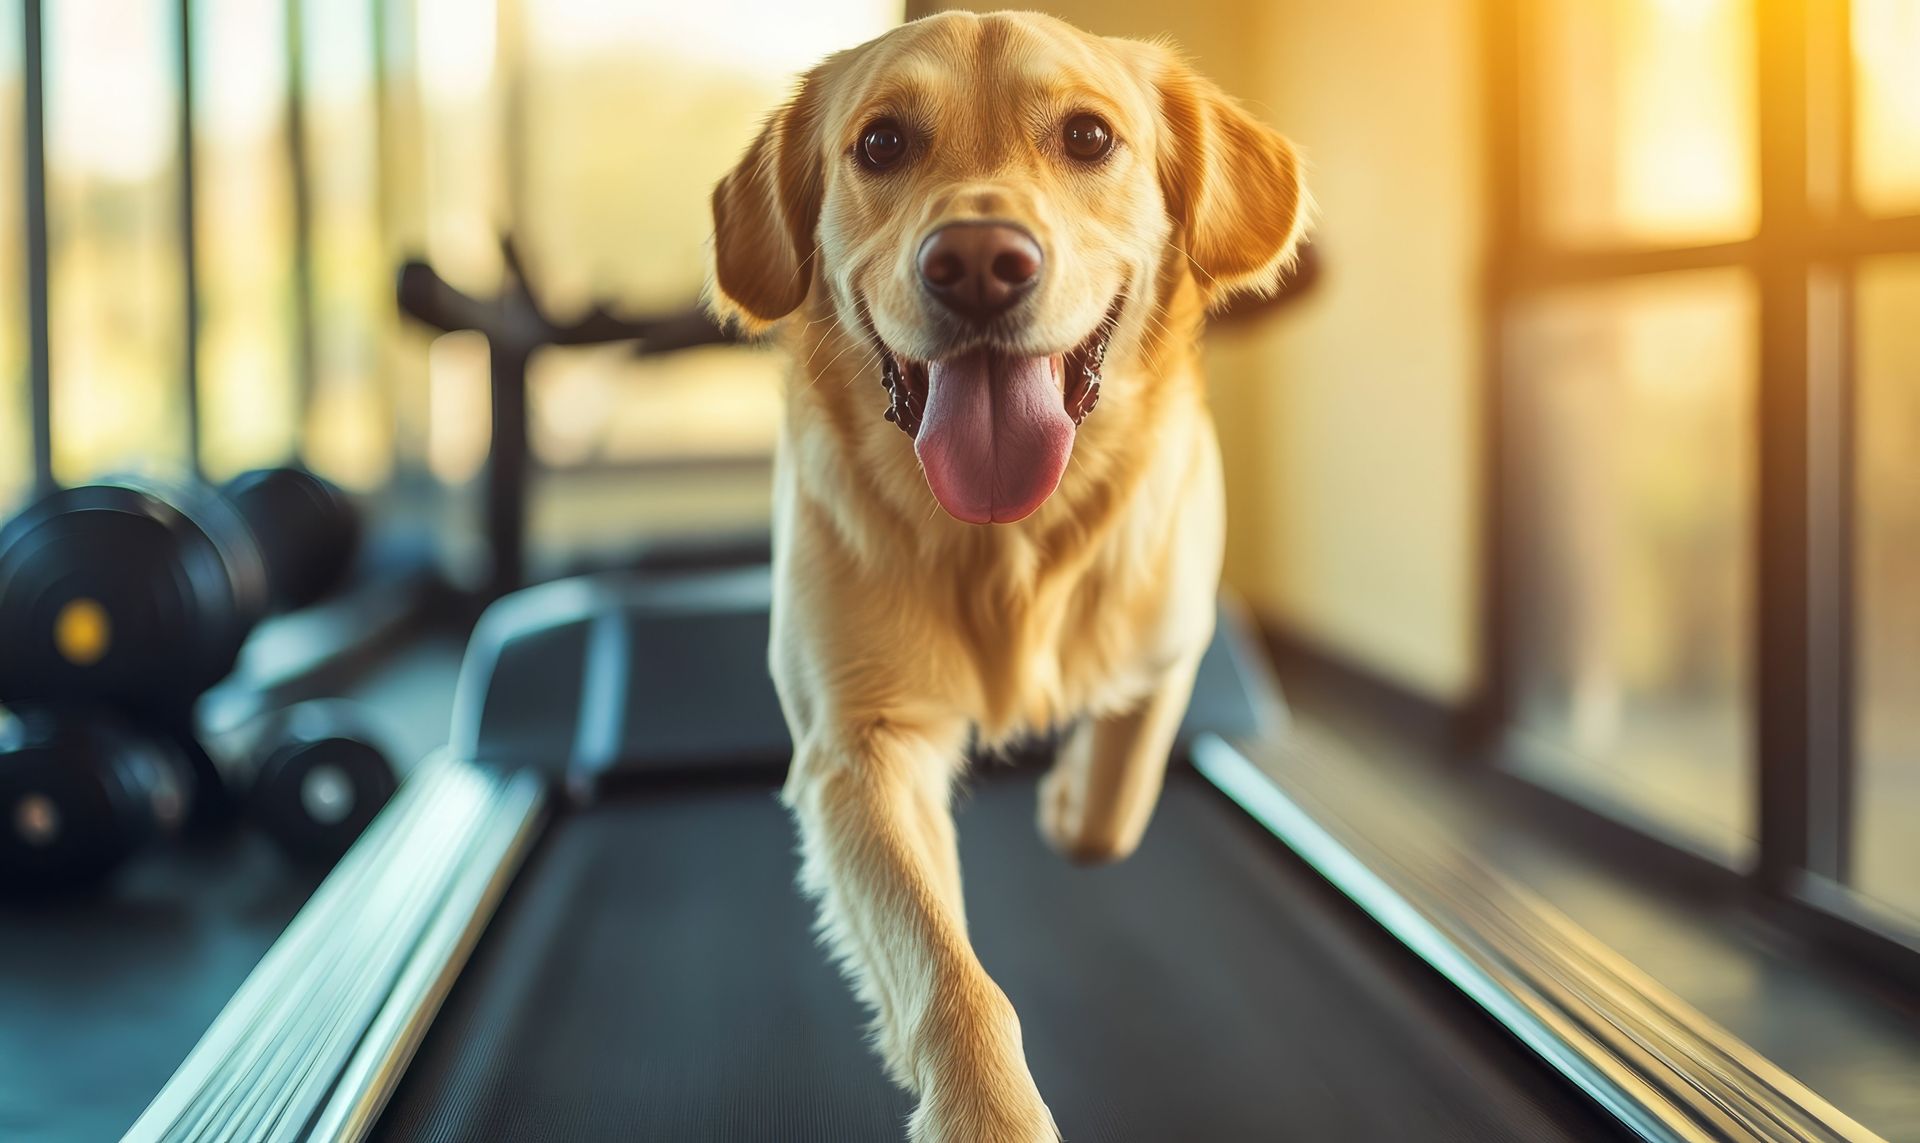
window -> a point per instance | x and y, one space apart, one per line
1704 271
1885 43
118 313
624 214
249 353
179 145
1886 429
278 160
1644 128
350 413
1632 527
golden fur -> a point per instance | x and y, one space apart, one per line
901 635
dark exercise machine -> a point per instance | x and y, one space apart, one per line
579 920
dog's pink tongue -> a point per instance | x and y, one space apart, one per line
994 437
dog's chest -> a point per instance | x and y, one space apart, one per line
1037 659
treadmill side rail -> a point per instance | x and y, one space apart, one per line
1662 1069
312 1043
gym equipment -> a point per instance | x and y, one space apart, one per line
140 593
310 777
120 604
654 952
307 529
516 326
137 595
81 790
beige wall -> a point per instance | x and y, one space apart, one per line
1367 539
1350 423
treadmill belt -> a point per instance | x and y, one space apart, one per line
652 975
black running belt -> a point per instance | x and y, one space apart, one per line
653 976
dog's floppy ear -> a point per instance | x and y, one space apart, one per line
1231 183
765 212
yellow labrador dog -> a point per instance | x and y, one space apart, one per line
989 243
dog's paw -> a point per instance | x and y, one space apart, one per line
1063 825
1007 1110
974 1083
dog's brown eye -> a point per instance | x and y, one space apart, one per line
1088 138
882 144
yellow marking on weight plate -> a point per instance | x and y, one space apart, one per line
82 632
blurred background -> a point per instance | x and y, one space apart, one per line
1598 436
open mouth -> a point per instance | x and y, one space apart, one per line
994 430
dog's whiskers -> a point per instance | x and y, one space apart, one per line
824 338
1193 261
873 359
828 367
807 261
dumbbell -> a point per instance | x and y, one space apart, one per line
141 593
309 776
80 791
137 595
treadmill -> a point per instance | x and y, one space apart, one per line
579 922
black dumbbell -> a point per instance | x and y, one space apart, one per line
309 776
80 790
141 593
306 529
138 595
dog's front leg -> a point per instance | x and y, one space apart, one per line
878 851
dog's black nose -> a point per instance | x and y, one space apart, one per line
979 269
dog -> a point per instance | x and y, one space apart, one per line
989 243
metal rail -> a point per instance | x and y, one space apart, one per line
312 1043
1659 1066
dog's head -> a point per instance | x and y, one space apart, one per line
1002 206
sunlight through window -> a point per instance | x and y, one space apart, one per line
1632 481
1887 515
1886 99
249 412
1646 121
114 254
624 215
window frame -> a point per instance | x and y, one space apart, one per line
34 207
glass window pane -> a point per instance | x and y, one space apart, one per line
402 159
249 389
113 215
16 426
1886 105
350 427
624 215
1643 120
1631 484
459 95
1886 852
